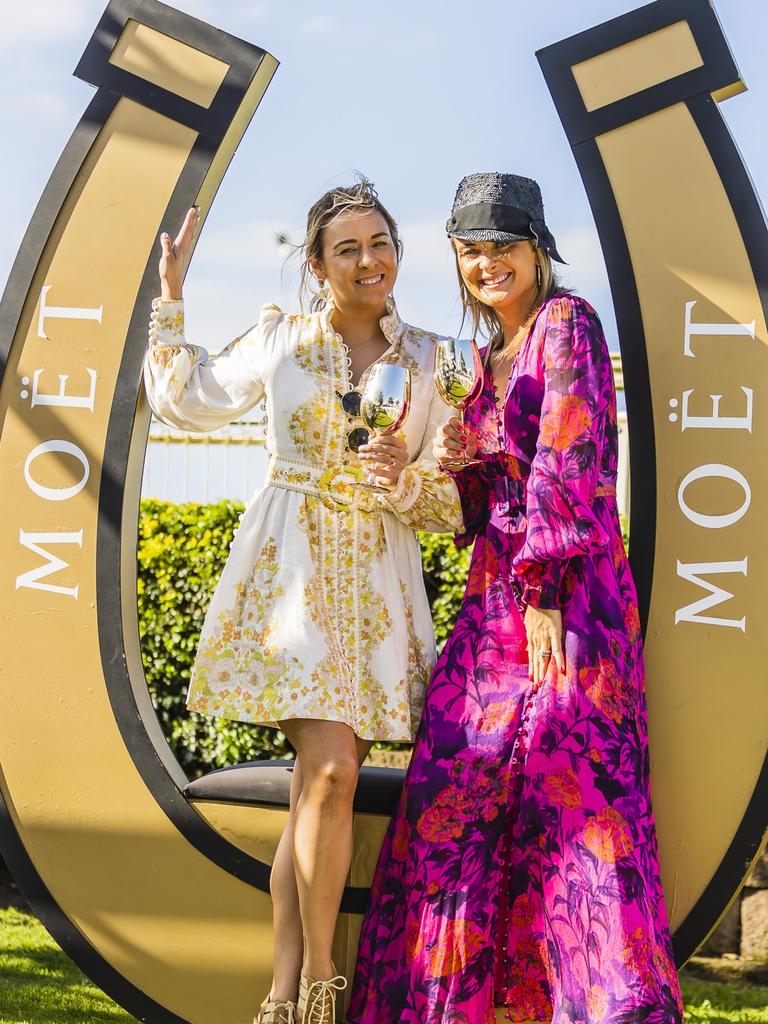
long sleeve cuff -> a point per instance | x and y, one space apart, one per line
424 499
473 494
541 585
405 493
166 325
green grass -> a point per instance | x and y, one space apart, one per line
40 985
711 1002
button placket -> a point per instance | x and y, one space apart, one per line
520 750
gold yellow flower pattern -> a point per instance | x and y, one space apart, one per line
320 611
242 643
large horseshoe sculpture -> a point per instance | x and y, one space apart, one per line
686 248
158 889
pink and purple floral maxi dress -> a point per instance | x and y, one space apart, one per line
521 868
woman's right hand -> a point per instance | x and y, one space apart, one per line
175 257
450 442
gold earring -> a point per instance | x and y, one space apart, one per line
538 274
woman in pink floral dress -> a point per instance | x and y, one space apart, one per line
521 869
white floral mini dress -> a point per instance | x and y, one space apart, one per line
320 611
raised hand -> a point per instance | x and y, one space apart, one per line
175 256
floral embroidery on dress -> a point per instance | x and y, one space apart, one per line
312 353
165 356
167 321
239 649
307 429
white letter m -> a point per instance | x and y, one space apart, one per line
691 572
52 564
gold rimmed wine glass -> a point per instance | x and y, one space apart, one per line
385 403
459 381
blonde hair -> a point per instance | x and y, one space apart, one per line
485 320
359 197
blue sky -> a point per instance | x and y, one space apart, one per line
415 94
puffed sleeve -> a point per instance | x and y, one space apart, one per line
425 497
193 390
564 472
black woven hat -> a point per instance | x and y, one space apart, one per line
498 207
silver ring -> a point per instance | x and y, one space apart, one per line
544 654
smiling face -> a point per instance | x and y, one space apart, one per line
359 260
500 276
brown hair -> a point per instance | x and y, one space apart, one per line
361 197
484 318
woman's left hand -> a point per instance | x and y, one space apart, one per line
384 458
544 629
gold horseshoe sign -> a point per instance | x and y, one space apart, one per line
157 887
686 246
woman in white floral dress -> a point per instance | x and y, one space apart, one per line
320 620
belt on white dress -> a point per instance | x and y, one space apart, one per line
334 485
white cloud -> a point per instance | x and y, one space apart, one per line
44 20
585 272
320 25
54 20
235 270
427 250
45 106
253 12
251 244
427 290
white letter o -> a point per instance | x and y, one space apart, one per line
712 522
57 493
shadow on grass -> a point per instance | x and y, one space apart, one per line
40 985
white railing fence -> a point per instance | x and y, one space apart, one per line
231 462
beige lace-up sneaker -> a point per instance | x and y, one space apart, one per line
276 1013
317 999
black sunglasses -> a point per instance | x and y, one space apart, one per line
351 403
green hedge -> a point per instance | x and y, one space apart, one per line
181 553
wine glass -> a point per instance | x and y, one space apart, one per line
385 403
459 381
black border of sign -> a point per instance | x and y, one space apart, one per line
61 927
135 725
211 122
694 89
718 71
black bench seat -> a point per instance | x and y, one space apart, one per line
268 784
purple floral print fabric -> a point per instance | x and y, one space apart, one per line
521 868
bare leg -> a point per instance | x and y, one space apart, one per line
289 950
330 755
286 922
